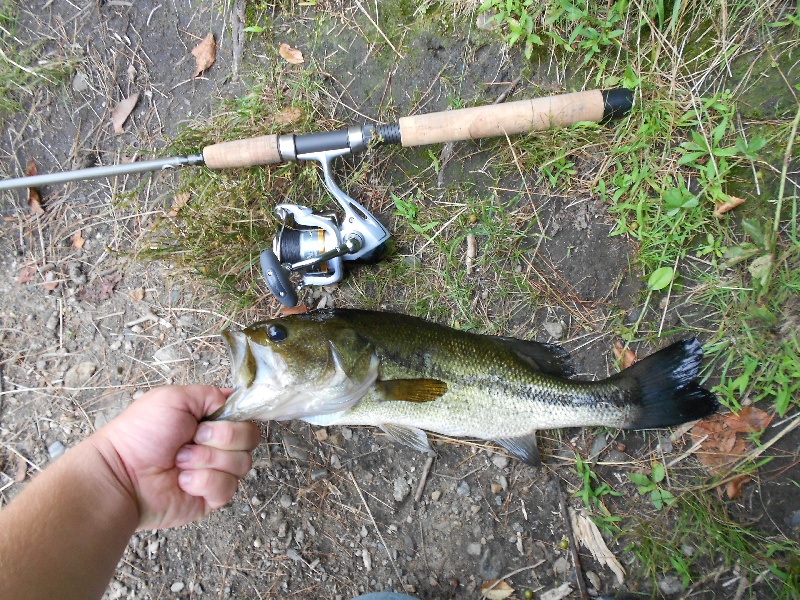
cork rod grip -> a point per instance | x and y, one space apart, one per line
243 153
502 119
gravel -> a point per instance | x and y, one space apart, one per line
401 489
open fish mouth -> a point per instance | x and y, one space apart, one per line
252 366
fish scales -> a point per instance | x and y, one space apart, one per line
407 375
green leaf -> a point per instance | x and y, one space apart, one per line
660 278
659 472
639 479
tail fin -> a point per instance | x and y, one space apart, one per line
665 388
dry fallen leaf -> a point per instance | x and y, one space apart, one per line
22 470
99 289
205 53
625 356
724 207
34 197
289 115
748 420
588 535
122 111
733 489
26 274
50 281
291 55
77 240
294 310
137 295
496 590
178 202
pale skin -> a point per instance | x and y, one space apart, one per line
155 466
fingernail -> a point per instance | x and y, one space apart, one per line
184 454
203 433
185 478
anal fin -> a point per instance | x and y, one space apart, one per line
524 448
410 436
411 390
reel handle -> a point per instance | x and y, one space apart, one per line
277 279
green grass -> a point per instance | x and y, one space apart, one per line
23 67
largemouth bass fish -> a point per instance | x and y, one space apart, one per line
407 375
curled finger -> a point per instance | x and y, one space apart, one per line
235 462
215 487
228 435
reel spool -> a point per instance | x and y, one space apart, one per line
316 244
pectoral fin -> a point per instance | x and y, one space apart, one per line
410 436
523 448
411 390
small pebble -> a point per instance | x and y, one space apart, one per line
55 450
554 329
436 495
318 474
598 446
285 500
794 520
401 489
347 433
561 566
500 461
670 585
665 444
177 587
463 489
474 549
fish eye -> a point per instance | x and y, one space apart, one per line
277 333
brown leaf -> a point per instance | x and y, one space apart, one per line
205 53
625 360
22 470
122 111
289 115
26 274
34 197
50 281
291 55
137 295
733 489
77 240
748 420
723 207
178 202
294 310
99 289
496 590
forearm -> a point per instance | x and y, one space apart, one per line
63 536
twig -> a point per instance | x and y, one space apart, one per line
423 478
383 35
576 559
375 525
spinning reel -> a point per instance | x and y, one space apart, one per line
317 244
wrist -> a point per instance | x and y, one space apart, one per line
113 474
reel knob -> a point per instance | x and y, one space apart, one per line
277 279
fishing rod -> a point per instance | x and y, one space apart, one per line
316 244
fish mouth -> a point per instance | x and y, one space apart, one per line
251 366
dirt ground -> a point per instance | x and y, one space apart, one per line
87 328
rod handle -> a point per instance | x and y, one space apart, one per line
250 152
512 118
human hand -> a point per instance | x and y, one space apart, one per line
176 468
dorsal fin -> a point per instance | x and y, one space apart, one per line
546 358
411 390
